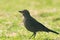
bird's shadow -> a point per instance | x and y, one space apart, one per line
46 14
56 19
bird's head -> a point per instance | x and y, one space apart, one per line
25 12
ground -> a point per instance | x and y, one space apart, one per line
46 12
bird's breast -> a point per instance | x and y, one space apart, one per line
28 25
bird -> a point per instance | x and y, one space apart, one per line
32 25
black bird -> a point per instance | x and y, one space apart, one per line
33 25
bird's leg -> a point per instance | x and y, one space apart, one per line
34 34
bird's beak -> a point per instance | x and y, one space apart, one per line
20 11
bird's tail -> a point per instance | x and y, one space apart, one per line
54 32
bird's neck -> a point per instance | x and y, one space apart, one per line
27 16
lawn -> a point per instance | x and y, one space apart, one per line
46 12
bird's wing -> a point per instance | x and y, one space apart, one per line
37 25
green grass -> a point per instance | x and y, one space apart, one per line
45 11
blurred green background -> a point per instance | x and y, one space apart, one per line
11 21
